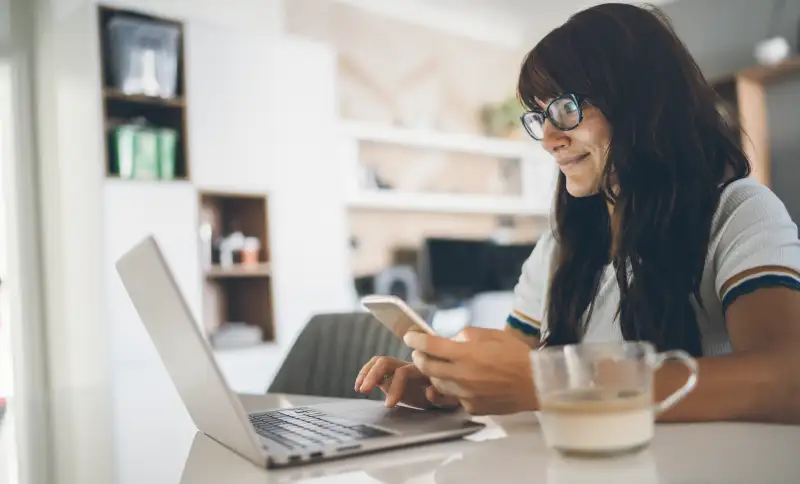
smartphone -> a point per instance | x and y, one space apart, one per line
396 315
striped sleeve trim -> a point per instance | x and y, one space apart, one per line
758 278
524 324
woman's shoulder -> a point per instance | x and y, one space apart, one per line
540 258
744 202
547 240
546 245
754 241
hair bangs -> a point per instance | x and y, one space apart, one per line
548 70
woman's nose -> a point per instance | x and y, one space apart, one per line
553 139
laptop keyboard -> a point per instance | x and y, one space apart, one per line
302 428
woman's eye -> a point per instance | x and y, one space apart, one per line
571 107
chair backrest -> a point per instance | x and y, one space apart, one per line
329 352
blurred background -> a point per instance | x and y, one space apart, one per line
290 157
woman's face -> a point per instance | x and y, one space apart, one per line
580 152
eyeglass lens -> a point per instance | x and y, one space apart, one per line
564 113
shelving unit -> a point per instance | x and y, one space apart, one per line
120 108
528 153
407 185
241 292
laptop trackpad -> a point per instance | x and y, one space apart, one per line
400 419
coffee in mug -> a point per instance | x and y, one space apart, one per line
597 398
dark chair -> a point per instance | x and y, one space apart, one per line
327 356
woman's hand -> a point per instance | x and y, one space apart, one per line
488 370
402 382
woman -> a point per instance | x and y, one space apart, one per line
659 235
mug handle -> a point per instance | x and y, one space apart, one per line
687 387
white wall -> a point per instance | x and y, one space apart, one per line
132 211
310 242
483 22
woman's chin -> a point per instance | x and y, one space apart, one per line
581 190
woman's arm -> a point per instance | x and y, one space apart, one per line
529 339
489 371
760 380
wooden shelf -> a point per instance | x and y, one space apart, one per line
445 203
427 139
112 94
772 72
238 270
116 177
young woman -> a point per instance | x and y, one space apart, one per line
659 235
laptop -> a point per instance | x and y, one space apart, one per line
270 437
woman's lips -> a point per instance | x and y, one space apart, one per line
567 163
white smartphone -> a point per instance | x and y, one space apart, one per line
396 315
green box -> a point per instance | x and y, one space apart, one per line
145 159
124 139
167 143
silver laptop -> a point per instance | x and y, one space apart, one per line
269 438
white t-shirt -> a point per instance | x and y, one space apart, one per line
753 244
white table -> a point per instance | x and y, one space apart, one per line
510 450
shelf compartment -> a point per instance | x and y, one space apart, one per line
238 271
244 300
240 292
122 108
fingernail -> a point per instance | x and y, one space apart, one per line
409 338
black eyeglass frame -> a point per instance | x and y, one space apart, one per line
577 98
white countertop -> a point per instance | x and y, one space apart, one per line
510 449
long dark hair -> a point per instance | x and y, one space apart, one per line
670 156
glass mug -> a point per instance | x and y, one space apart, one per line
596 399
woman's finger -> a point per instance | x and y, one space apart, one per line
382 367
441 348
396 386
434 367
438 399
450 388
364 370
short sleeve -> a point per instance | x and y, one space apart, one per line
527 313
757 245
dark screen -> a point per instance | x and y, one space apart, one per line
461 268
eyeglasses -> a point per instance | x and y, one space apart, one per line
564 112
